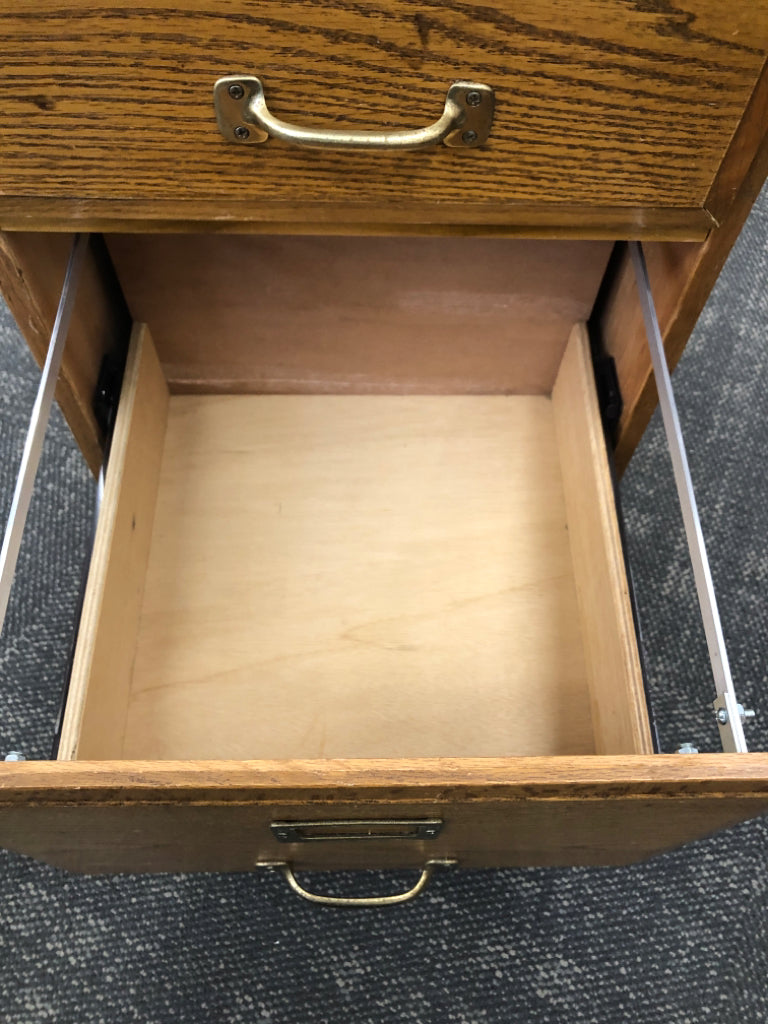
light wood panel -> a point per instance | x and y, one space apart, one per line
359 576
32 268
101 672
599 103
339 315
150 816
619 714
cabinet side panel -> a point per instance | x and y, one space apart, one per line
682 275
619 715
32 268
95 716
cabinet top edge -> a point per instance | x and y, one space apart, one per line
547 221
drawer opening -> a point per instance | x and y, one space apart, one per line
370 575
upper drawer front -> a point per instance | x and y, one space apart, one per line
599 104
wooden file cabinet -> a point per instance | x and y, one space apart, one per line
358 559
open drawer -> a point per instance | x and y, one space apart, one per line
396 573
326 609
323 576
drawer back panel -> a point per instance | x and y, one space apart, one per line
337 315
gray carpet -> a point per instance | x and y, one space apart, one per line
682 939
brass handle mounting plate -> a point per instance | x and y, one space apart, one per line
355 828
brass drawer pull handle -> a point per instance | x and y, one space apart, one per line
358 901
242 114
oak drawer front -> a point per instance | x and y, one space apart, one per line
600 105
218 816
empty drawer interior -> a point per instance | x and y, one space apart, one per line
357 505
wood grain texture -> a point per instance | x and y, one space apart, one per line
359 315
604 102
619 715
359 576
130 816
32 268
101 672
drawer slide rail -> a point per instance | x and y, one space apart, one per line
729 713
105 406
38 423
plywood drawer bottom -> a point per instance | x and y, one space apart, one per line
357 576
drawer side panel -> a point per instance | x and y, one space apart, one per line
619 714
95 714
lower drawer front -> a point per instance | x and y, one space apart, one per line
493 813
